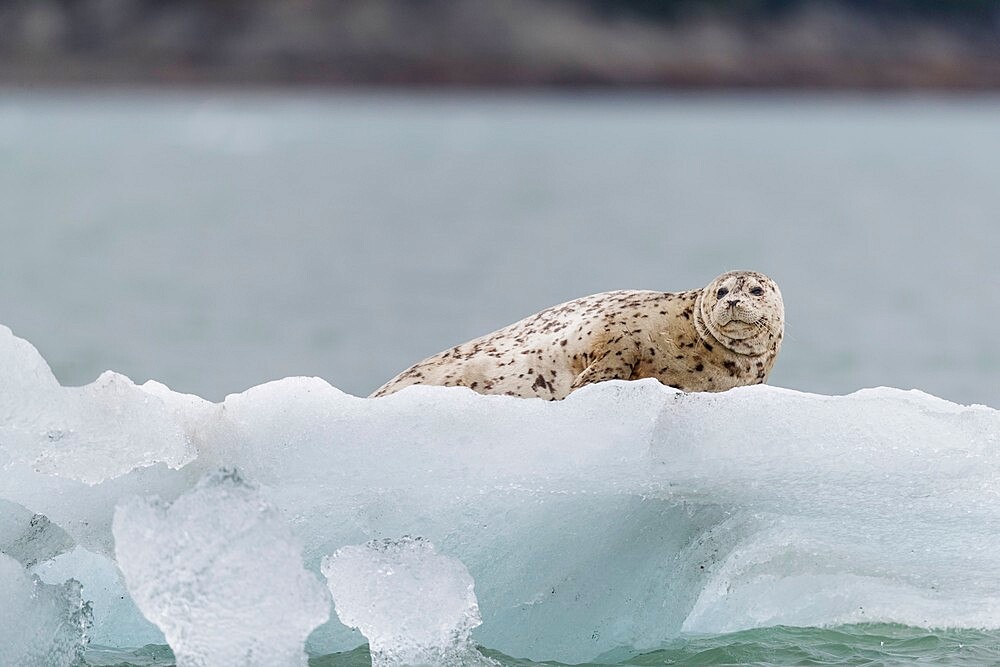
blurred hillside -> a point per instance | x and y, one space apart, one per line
688 43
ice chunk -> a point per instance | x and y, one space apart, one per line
91 433
70 453
41 625
221 574
414 605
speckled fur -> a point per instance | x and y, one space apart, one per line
694 341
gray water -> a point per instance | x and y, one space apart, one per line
216 240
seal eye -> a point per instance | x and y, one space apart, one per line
721 293
757 291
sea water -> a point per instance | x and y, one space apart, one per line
214 241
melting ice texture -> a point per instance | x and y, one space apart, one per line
414 605
41 625
620 517
204 570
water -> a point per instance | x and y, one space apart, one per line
844 645
215 240
849 645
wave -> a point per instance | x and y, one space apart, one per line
624 516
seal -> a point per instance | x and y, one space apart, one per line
722 336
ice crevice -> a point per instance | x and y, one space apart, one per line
620 517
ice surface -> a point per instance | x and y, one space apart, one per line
414 605
220 572
620 517
41 625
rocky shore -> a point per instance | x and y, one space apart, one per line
814 44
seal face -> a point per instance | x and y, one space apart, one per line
742 310
725 335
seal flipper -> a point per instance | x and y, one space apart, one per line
617 363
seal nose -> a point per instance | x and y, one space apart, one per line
732 302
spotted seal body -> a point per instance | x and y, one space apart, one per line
722 336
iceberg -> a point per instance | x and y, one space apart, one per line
617 519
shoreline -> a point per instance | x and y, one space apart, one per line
504 44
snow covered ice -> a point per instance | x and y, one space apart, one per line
623 516
219 572
413 605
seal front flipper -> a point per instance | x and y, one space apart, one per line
618 363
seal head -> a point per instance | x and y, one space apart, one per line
742 311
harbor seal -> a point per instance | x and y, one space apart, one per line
722 336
